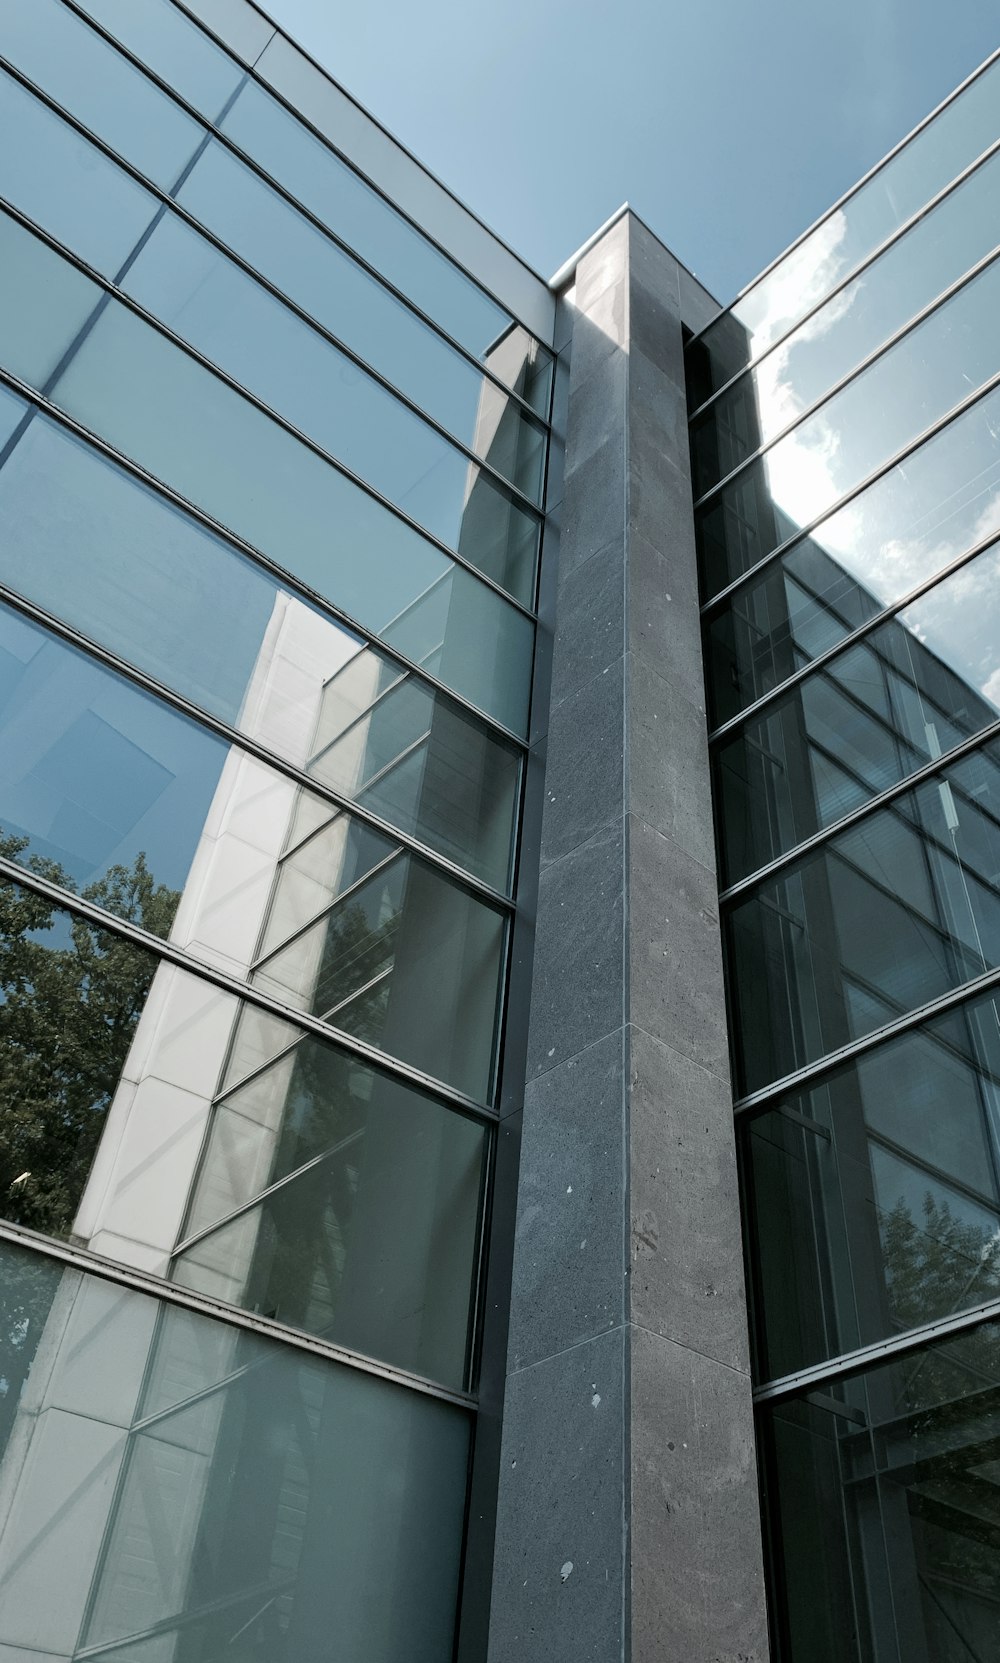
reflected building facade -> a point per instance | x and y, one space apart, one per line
400 1056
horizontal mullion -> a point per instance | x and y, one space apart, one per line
282 191
266 1328
252 747
204 970
253 72
810 1073
313 445
203 230
843 283
285 578
859 369
880 1351
928 770
725 729
931 431
853 191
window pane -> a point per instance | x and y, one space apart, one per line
317 178
921 169
278 241
882 1509
65 185
188 1487
210 302
356 1203
64 56
160 35
209 444
913 688
406 961
916 519
908 276
140 577
917 381
891 913
51 301
885 1178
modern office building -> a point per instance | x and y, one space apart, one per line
400 1056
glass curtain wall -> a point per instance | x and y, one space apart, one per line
844 440
272 471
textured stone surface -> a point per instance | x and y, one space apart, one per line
559 1575
583 777
668 764
569 1248
697 1590
686 1267
591 620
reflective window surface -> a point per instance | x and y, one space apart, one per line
193 1490
911 273
928 163
941 501
358 1197
874 1195
208 301
142 579
891 913
915 686
924 375
63 56
228 458
884 1497
66 186
161 36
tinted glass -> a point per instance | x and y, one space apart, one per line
914 687
882 1491
159 34
144 580
941 501
317 178
908 276
191 1489
274 237
891 913
338 1201
893 1161
918 380
69 61
923 167
65 185
211 445
237 324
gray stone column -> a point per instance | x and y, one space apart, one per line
628 1525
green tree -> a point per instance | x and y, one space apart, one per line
68 1011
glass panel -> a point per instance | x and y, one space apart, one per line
941 501
922 168
884 1494
907 277
209 444
176 1487
278 241
317 178
891 913
63 56
178 51
406 961
946 357
64 183
874 1196
51 301
210 302
100 1136
139 576
357 1207
914 687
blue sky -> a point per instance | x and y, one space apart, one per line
728 125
